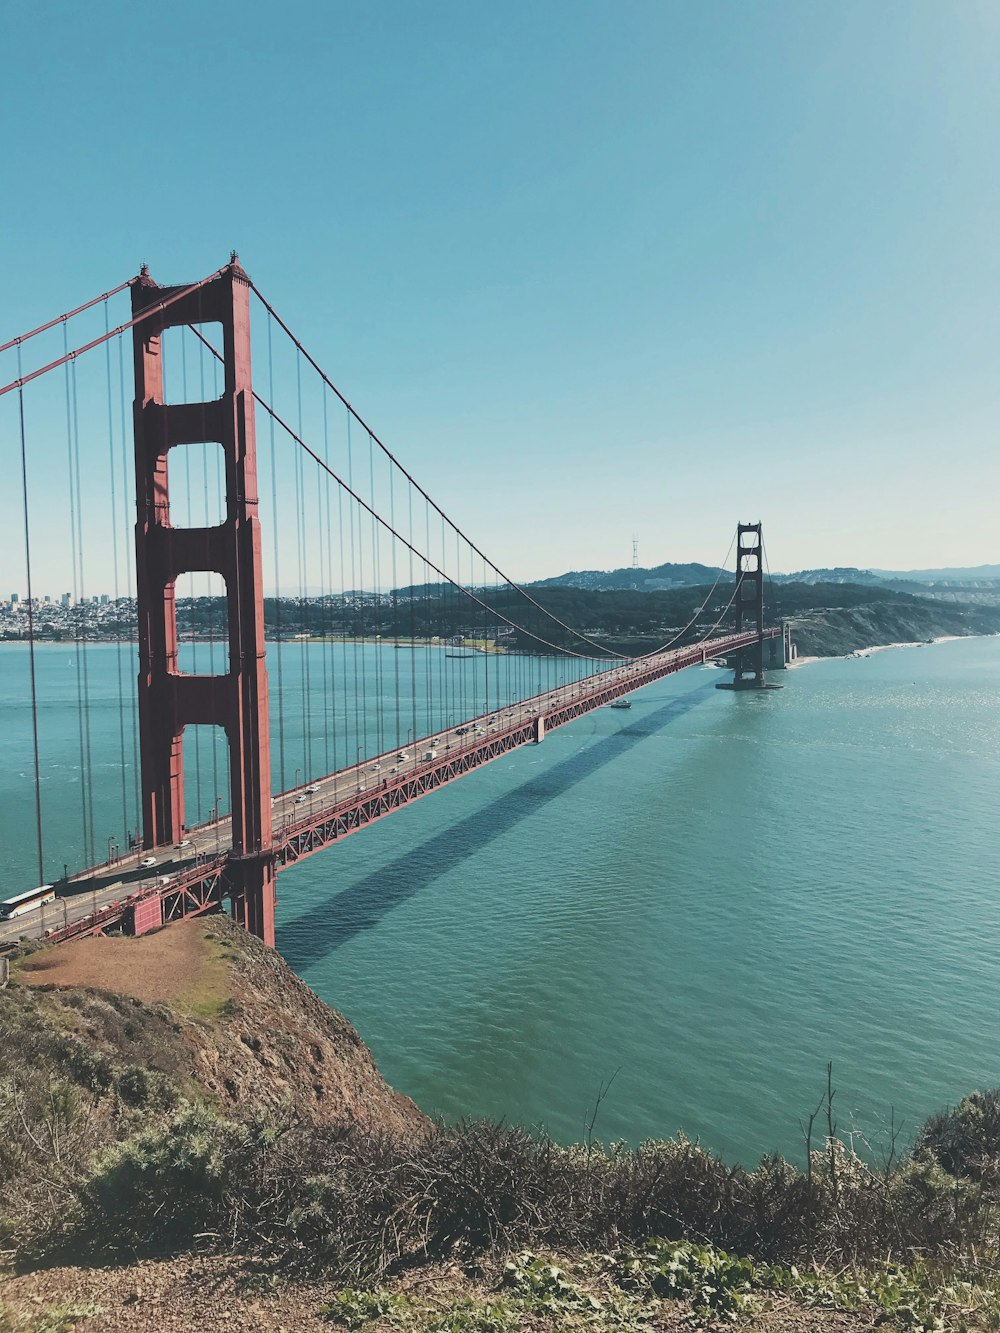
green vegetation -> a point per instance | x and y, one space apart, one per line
108 1152
625 1292
830 618
59 1319
353 1205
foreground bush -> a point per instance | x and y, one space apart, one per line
966 1140
351 1204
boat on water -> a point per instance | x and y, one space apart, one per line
621 703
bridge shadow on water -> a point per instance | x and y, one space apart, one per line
312 936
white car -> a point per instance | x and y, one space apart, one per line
148 861
300 799
313 787
184 842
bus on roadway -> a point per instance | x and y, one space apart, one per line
26 902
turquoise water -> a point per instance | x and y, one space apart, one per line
707 897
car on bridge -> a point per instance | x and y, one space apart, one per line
147 861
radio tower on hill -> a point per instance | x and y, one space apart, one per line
635 552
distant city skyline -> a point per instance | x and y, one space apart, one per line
591 270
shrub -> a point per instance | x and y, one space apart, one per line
158 1191
966 1140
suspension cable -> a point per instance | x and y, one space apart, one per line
681 632
111 333
606 653
413 482
61 319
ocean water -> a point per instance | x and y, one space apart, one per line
702 900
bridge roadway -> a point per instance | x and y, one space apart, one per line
191 877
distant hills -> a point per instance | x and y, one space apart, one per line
660 579
978 574
668 576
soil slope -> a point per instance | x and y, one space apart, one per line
203 1000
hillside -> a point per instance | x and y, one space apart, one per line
828 619
206 1011
657 579
837 630
190 1141
692 574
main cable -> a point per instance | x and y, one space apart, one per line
559 648
61 319
413 482
122 328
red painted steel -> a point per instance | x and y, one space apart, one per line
169 700
204 887
145 915
522 724
104 337
748 601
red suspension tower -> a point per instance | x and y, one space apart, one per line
749 604
170 700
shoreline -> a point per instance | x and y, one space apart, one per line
860 653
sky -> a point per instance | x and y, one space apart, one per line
593 269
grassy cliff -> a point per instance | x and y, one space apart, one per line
190 1139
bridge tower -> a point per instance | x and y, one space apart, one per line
748 665
170 700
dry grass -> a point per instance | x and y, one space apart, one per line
181 965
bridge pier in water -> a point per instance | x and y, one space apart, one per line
170 700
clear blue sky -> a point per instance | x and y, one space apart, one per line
591 269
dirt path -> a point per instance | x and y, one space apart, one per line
204 1295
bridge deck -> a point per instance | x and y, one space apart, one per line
192 878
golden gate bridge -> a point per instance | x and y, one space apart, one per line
348 736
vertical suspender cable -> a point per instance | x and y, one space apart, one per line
31 631
413 612
431 720
85 656
323 489
195 621
220 491
355 627
377 601
301 519
362 603
133 676
114 557
348 624
77 612
395 602
279 646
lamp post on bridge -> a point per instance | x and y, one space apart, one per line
213 815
